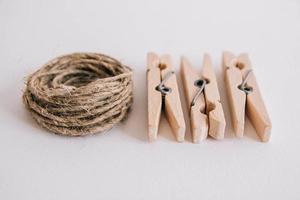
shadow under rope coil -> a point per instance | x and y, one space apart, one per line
79 94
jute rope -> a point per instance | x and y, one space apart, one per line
79 94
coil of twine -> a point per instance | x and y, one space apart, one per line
79 94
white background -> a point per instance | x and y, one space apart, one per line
121 164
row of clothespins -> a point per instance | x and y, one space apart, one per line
203 99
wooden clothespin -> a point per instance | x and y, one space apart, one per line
162 88
203 101
244 96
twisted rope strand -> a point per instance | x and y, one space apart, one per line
79 94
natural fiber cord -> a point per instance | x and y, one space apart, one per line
79 94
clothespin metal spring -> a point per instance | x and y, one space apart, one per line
161 87
244 87
201 84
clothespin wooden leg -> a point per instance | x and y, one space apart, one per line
154 96
237 98
172 100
